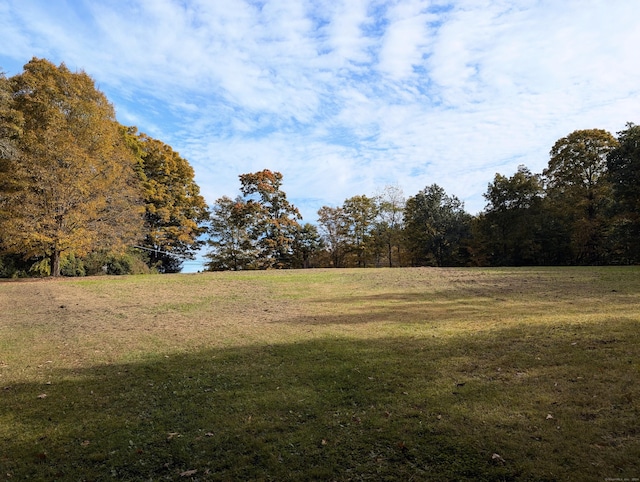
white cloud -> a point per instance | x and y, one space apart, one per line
406 40
346 42
345 96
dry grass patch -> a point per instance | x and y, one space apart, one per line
423 374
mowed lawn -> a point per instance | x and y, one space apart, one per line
376 374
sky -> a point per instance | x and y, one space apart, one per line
345 97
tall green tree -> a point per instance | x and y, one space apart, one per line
509 229
231 239
623 163
307 243
389 223
579 190
276 218
334 229
360 213
77 190
437 228
175 212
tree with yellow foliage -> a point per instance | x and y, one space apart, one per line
73 189
175 212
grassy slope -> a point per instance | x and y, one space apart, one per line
423 374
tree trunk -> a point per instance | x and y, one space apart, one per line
55 263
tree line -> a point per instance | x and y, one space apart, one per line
81 194
583 209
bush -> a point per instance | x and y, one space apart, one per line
131 262
99 263
13 266
72 266
41 268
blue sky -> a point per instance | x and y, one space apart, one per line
346 96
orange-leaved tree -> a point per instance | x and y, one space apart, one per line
276 218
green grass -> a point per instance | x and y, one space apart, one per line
407 374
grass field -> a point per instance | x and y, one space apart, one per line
395 374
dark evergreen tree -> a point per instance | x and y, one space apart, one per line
509 231
623 163
579 192
437 229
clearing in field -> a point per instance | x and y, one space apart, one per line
381 374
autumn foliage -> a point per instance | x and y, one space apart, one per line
71 183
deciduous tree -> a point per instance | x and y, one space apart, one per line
231 239
360 213
11 123
77 188
175 212
276 218
334 229
579 190
510 227
623 163
10 130
307 243
436 228
389 223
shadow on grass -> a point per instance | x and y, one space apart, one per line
522 404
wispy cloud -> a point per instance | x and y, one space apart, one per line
345 96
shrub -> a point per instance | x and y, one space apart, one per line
72 266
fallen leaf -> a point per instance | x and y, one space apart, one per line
188 473
209 434
85 443
498 458
549 416
42 395
172 435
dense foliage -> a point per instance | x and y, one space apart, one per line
78 191
175 212
583 209
258 229
74 185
